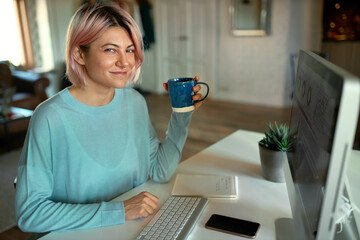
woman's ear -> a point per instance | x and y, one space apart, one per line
79 56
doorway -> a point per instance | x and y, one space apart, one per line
186 33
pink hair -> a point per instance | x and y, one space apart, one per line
87 24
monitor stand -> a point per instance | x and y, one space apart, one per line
285 226
351 229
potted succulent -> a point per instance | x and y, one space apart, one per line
273 147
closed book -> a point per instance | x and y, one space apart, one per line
210 186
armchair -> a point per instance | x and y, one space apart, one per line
30 87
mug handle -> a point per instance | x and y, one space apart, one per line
207 92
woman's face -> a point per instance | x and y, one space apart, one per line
110 59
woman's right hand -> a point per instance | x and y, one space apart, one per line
140 206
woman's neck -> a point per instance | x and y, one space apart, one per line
91 96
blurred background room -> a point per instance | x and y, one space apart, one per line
246 50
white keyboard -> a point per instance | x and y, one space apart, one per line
175 219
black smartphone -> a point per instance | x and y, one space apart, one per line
234 226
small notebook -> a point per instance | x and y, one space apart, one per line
210 186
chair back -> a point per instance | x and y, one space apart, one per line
5 76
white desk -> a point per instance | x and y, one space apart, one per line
259 200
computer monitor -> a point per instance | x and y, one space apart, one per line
324 116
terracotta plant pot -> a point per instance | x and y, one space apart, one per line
272 164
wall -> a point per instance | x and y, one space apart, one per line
345 54
59 13
148 78
256 70
253 70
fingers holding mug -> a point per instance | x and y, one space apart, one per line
196 89
197 105
166 86
197 97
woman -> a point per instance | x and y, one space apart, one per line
94 141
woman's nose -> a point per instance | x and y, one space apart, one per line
122 60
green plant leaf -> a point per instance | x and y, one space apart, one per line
278 137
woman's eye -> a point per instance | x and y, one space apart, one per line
110 50
130 50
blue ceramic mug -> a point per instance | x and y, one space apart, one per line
180 92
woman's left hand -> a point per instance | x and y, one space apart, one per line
197 95
196 89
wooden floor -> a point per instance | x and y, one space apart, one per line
213 121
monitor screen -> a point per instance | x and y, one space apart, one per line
324 118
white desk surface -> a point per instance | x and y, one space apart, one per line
259 200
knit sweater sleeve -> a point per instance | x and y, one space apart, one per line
166 155
34 208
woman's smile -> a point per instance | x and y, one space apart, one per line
119 73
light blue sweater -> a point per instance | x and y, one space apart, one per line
76 158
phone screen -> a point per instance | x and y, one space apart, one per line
233 225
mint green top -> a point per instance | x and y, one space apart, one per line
76 158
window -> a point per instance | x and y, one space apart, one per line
15 43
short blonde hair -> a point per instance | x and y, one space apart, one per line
87 24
